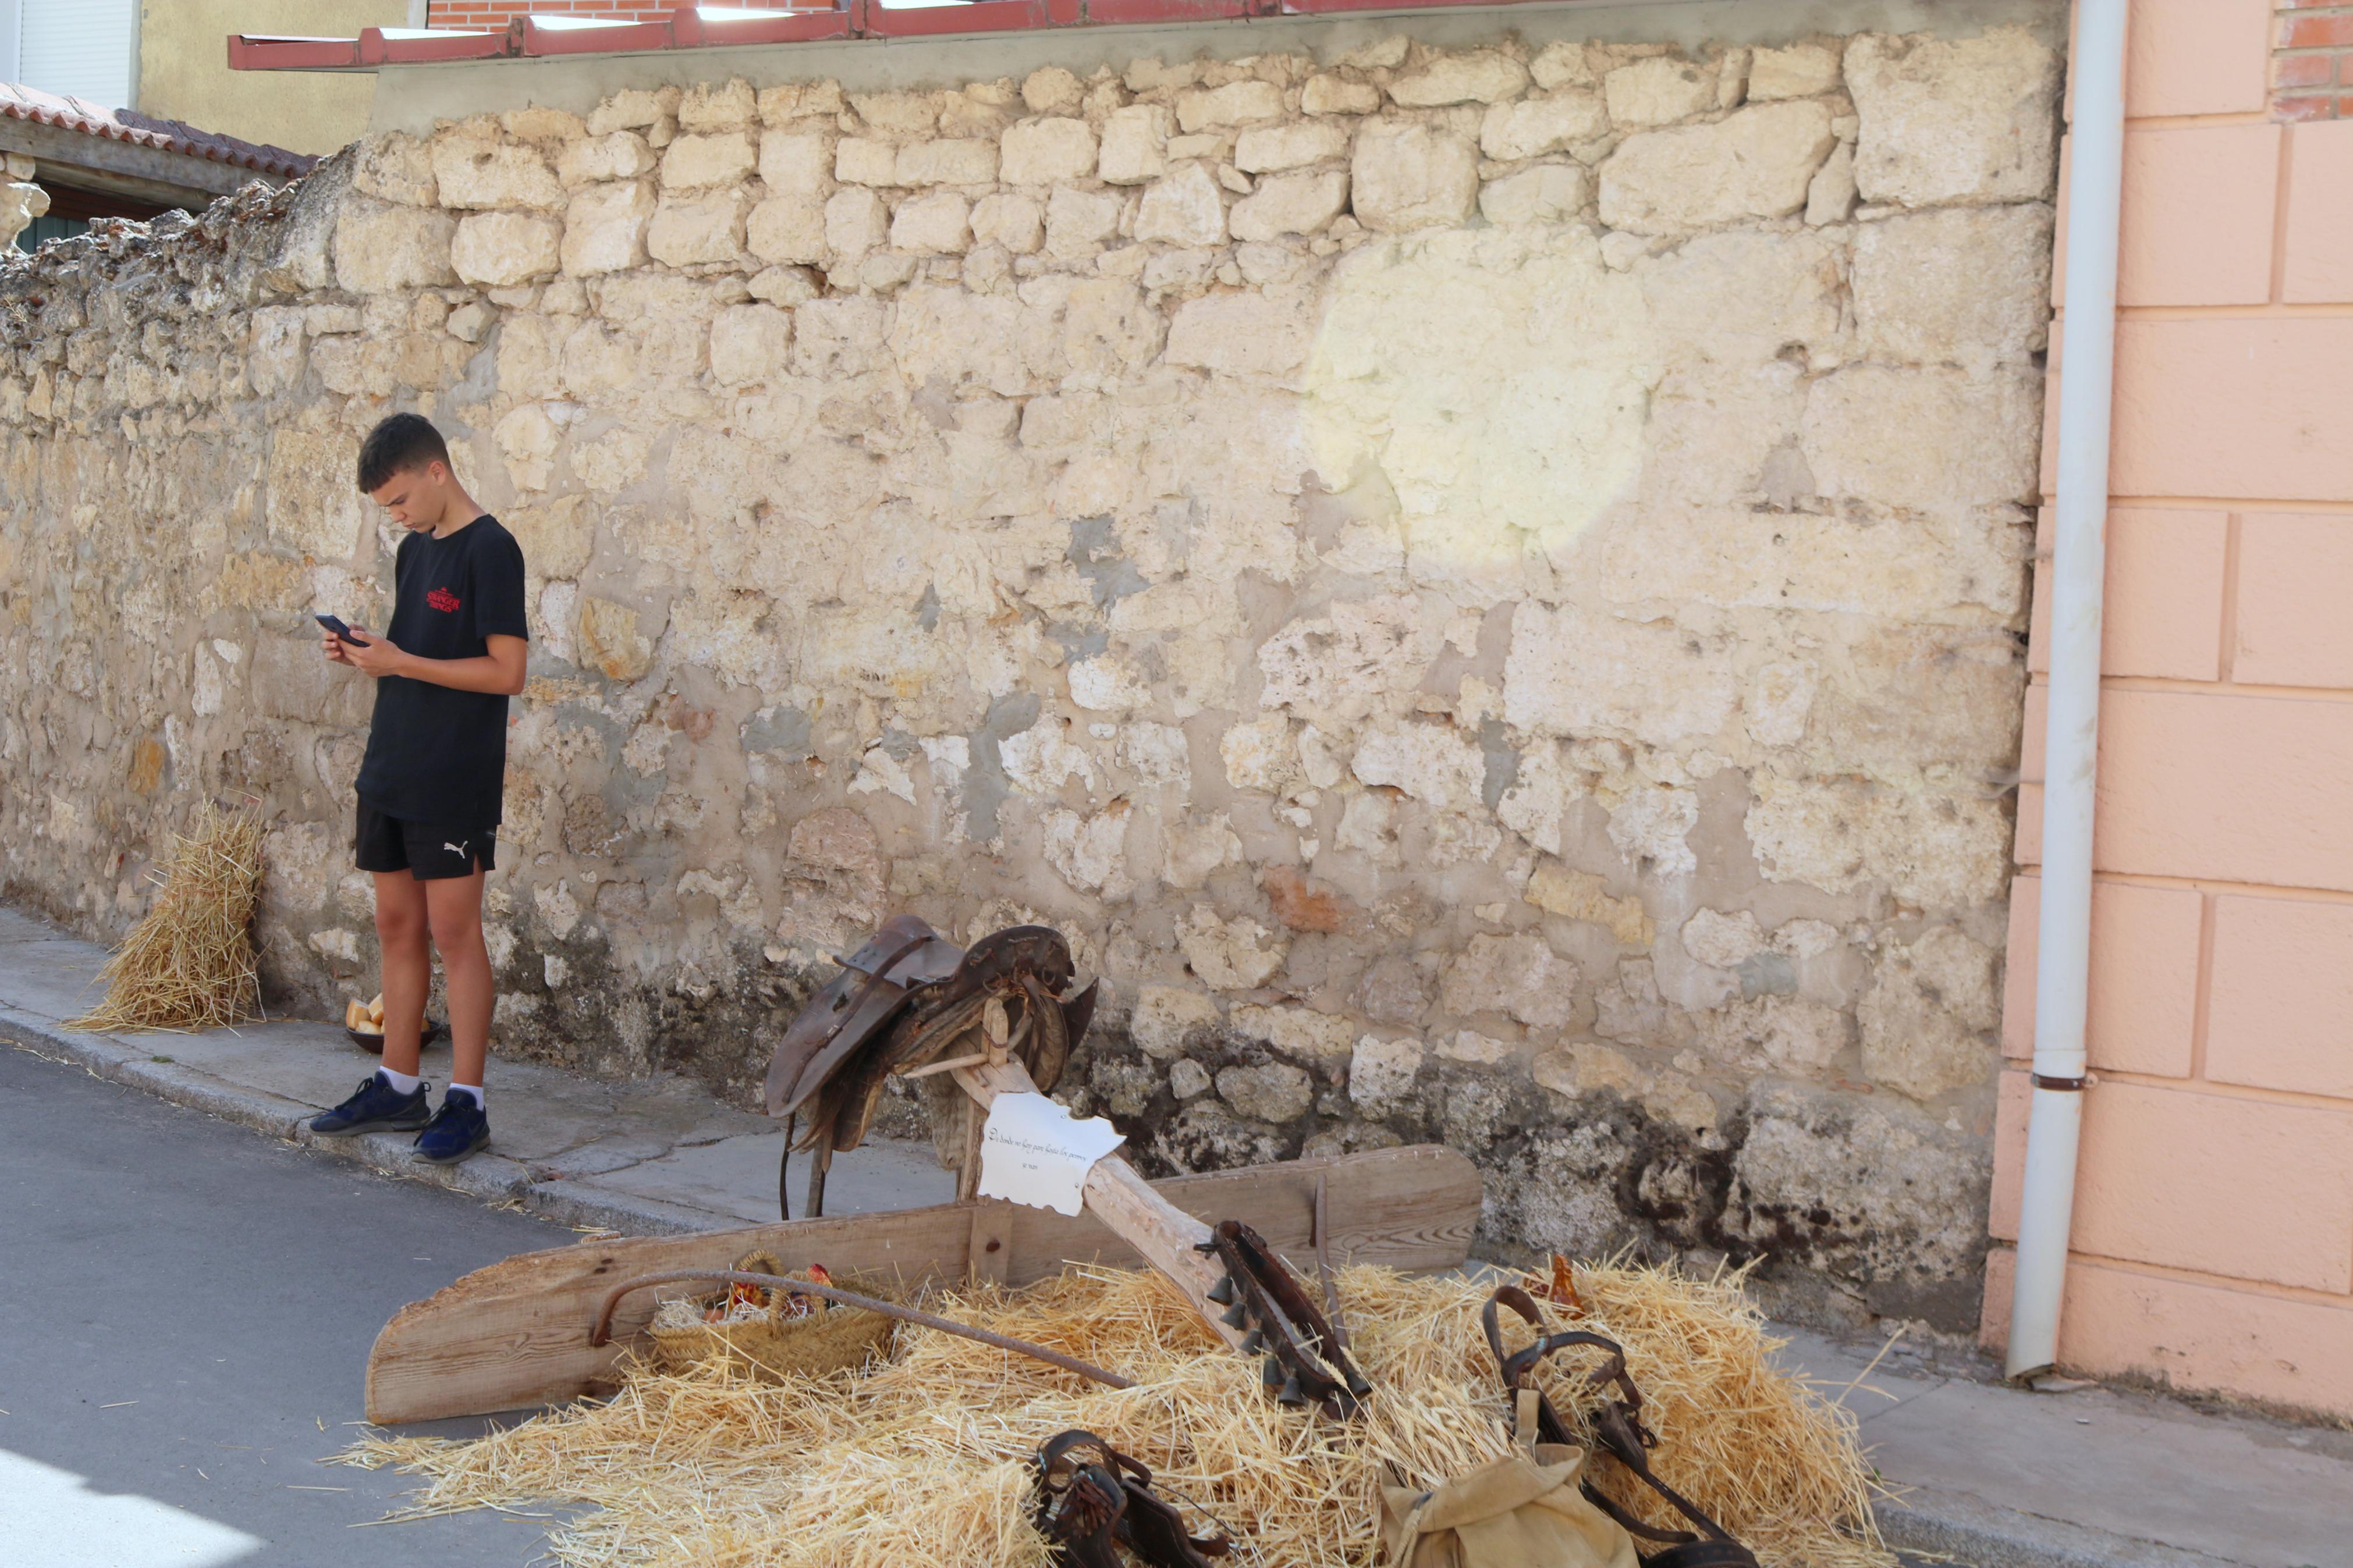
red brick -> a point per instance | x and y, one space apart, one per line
2320 31
2305 109
2303 71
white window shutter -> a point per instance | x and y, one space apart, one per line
83 48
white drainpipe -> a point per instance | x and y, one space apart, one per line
2087 347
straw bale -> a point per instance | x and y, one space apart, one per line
188 964
923 1459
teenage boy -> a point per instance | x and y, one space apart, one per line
431 783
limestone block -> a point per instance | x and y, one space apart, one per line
1042 152
1535 126
391 168
1967 120
796 162
309 506
1260 755
1338 95
1969 286
936 225
1516 976
1238 334
1086 851
748 342
1757 162
865 160
1430 760
1581 896
1009 219
1743 295
381 250
1931 440
690 230
1722 941
556 539
609 638
1578 1070
623 156
961 339
854 223
1269 149
528 440
706 109
1381 1074
1240 954
1572 673
1183 207
474 170
1169 1019
1078 222
1650 827
1407 177
1658 91
1831 199
1792 1034
1134 144
801 101
502 249
1936 851
1383 54
605 228
695 162
789 229
900 114
1236 103
1108 328
1316 1039
1270 1092
1051 89
836 338
1801 70
1927 1023
1289 204
1480 76
634 109
1549 193
1335 669
960 161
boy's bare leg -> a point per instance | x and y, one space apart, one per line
455 906
401 930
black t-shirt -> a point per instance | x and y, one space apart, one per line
435 754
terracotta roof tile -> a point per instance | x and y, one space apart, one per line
19 103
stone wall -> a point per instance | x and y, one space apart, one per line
1483 588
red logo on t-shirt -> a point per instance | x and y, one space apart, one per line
443 599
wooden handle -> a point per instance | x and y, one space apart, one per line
1117 1195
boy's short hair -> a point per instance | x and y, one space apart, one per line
400 444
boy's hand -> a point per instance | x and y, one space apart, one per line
334 647
372 656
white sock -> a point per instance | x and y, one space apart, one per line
399 1080
473 1089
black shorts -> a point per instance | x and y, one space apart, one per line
428 852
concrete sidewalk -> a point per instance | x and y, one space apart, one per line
1988 1477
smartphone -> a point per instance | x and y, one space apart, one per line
335 625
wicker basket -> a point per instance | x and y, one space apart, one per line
778 1344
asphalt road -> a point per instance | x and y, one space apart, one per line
185 1311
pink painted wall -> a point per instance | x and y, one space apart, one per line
2213 1237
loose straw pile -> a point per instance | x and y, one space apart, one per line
188 964
922 1460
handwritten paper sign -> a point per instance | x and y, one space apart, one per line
1033 1151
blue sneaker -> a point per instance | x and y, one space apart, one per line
460 1130
376 1106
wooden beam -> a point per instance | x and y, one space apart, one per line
515 1335
101 163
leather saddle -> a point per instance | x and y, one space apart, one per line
900 1003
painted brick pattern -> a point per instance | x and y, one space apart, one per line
2214 1199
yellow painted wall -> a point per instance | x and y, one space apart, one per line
184 69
